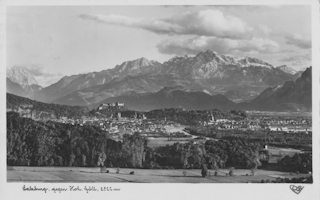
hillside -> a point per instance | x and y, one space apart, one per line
172 97
292 96
35 109
15 88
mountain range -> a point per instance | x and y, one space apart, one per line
291 96
213 77
208 72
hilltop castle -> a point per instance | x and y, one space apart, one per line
110 105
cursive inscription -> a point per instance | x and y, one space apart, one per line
71 188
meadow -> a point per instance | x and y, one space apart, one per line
93 174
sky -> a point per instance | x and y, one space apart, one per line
55 41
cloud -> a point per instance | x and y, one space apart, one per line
257 8
298 60
220 45
200 23
266 30
299 41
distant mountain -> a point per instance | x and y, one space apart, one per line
207 72
70 84
292 96
15 88
287 69
172 97
24 79
210 64
139 66
64 86
21 76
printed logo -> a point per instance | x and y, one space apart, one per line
296 189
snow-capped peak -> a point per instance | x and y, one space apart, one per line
210 55
248 61
141 65
287 69
21 76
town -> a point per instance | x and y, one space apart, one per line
122 121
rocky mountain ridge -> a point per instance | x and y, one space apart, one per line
207 72
21 77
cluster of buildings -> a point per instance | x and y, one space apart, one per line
284 124
123 122
229 124
287 124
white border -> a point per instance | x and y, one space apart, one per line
167 190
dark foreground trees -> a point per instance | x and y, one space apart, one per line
297 163
35 143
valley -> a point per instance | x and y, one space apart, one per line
241 118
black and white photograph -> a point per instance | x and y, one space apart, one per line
160 95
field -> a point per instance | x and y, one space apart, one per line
156 142
83 174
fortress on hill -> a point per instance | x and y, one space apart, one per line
111 105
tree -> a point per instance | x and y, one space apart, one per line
204 171
83 160
72 157
231 172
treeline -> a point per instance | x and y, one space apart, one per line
15 103
297 163
34 143
213 154
278 139
193 117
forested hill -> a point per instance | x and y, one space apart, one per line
36 109
36 143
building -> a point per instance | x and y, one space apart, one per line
119 104
110 105
119 115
